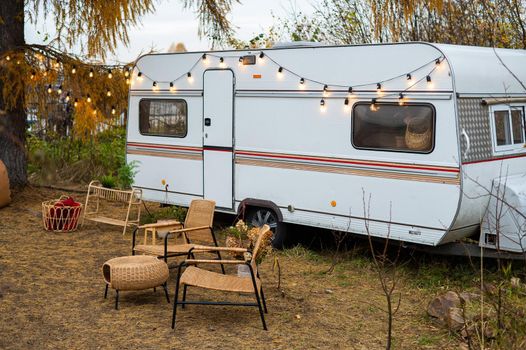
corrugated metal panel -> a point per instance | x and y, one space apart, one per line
474 119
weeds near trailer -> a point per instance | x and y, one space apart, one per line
386 268
501 318
165 213
68 159
339 238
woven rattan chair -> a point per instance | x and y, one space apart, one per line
197 277
196 230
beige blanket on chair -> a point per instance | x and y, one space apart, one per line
5 193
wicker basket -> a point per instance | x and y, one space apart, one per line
58 217
418 140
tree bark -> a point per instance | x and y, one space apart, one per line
12 121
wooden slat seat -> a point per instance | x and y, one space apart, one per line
110 221
194 276
130 200
158 250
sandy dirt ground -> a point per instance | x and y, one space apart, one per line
51 297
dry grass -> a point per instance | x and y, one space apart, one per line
51 297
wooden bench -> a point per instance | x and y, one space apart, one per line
131 200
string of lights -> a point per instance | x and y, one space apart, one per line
326 88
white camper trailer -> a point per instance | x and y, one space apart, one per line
302 134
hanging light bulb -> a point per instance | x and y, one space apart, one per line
126 73
59 91
108 93
346 104
73 70
154 86
378 87
261 54
373 107
94 112
325 90
401 99
204 57
322 105
172 87
280 72
49 89
33 74
221 60
8 58
76 103
139 76
91 73
189 76
113 110
88 98
409 77
57 64
127 81
67 97
428 79
350 90
110 74
438 61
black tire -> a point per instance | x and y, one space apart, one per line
258 217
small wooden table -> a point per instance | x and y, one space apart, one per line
161 227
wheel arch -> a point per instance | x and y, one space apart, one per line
258 203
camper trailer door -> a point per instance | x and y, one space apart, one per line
218 113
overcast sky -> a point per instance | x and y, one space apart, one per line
171 23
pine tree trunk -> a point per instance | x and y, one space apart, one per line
12 121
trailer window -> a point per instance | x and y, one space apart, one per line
163 117
391 127
508 127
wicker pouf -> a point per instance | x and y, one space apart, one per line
134 273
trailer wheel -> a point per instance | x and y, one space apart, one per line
258 217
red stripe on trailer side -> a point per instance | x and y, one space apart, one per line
158 146
496 159
356 162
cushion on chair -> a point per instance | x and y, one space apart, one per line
194 276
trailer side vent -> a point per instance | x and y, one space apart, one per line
490 238
249 60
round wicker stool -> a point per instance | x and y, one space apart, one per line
136 272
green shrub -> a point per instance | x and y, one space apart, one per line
126 174
108 181
167 213
68 159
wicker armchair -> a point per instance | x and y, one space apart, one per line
197 277
197 229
